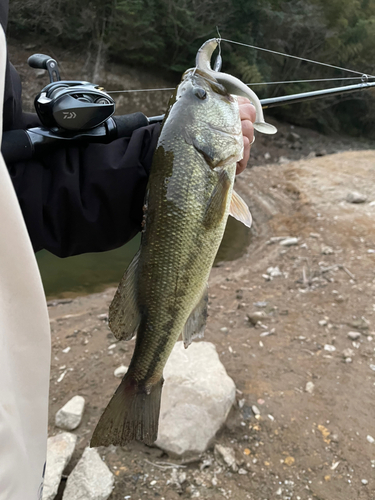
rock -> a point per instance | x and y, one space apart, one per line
284 159
120 371
355 197
372 367
255 410
310 387
60 449
70 415
288 242
196 399
322 322
364 481
370 439
267 156
348 353
90 479
274 272
256 316
329 348
354 335
228 456
293 137
326 250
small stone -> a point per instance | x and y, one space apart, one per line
348 353
283 159
90 479
120 371
370 439
255 410
293 137
242 471
256 316
70 415
355 197
227 455
364 481
348 360
329 348
267 156
310 387
372 367
322 322
224 329
354 335
260 304
334 438
326 250
60 449
274 272
289 461
288 242
66 350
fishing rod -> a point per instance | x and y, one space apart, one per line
76 112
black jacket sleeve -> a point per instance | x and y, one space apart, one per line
79 199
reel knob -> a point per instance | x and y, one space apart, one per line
41 61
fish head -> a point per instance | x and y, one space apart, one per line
207 116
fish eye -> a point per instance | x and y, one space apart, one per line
200 93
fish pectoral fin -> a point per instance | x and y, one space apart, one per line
124 315
218 201
196 323
239 210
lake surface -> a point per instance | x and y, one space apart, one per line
90 273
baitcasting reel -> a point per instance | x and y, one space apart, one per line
69 105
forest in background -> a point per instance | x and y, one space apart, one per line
166 34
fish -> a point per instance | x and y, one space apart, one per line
164 291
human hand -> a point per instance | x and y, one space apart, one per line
248 116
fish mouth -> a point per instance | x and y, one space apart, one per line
232 85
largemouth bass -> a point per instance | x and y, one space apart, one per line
164 291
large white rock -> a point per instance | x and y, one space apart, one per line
196 399
60 449
90 479
70 415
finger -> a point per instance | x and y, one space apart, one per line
247 110
241 165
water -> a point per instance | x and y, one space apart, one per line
93 272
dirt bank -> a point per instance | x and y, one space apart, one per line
317 408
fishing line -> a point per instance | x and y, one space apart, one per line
293 57
252 84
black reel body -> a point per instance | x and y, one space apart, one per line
73 105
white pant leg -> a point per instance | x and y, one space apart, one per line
24 347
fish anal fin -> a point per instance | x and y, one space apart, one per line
132 414
196 323
239 210
124 315
218 201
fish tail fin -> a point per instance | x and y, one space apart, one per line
132 413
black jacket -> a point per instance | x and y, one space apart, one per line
77 200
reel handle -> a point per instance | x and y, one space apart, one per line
41 61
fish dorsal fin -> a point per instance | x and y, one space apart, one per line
239 210
196 323
124 315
